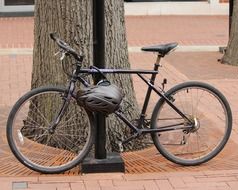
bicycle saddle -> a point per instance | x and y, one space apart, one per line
162 49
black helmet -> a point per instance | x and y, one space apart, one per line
101 98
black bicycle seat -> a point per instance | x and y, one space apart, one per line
162 49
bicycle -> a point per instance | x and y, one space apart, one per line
182 127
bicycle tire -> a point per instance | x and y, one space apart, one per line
174 145
38 149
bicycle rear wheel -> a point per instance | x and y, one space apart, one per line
40 149
212 118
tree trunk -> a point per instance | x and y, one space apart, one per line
231 55
72 20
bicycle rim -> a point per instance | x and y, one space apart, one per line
211 115
31 141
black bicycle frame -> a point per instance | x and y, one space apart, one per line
76 76
138 129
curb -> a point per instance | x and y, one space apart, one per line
131 49
16 51
176 8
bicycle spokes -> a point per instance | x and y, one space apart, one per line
209 130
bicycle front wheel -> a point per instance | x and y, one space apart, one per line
211 115
41 149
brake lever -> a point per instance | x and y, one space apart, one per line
62 56
57 52
63 53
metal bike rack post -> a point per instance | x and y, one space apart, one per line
99 61
103 161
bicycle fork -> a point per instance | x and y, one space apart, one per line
67 97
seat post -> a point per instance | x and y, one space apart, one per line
147 97
157 63
156 68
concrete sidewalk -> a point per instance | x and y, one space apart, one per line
177 8
221 173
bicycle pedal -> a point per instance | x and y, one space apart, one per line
183 141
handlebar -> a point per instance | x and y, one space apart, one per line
63 45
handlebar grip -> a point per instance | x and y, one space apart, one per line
65 46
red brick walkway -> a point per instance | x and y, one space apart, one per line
221 180
186 30
16 32
141 30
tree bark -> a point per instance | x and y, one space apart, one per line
117 57
231 55
72 20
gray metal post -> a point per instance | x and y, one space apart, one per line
99 61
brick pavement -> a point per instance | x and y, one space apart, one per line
186 30
207 180
16 32
141 30
220 173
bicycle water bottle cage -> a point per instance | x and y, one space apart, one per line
100 98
